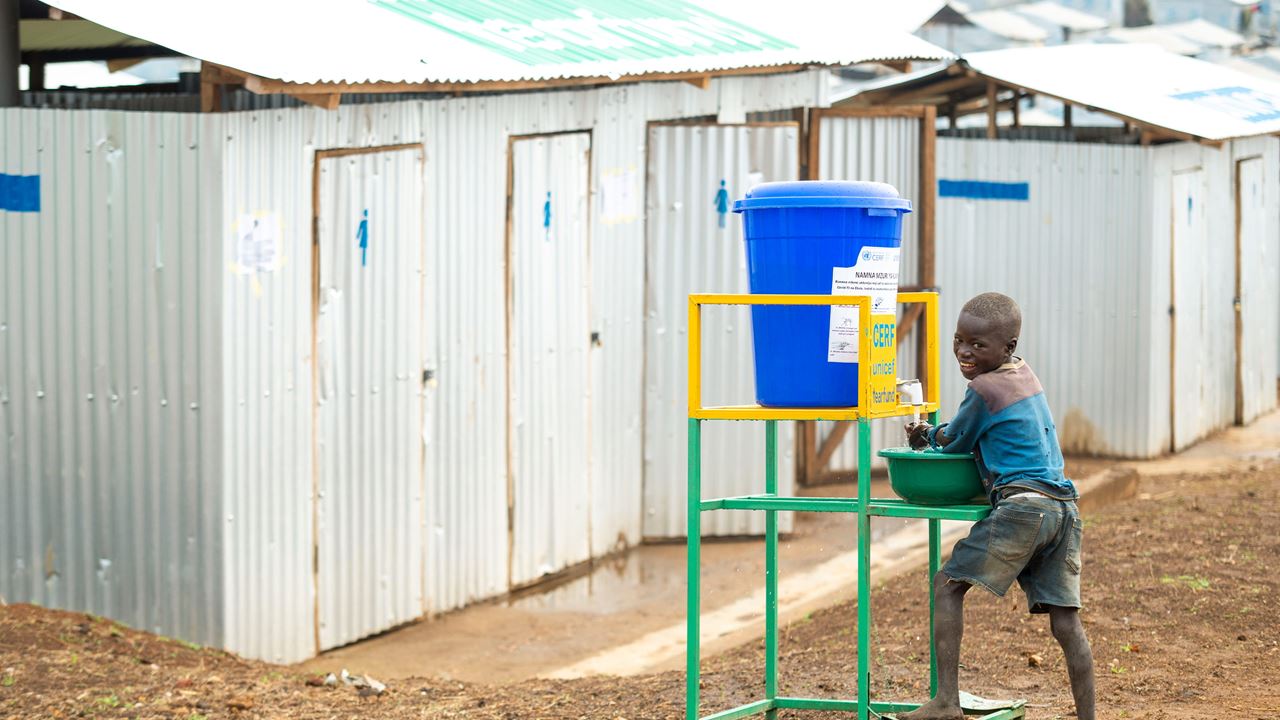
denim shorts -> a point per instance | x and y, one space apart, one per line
1031 538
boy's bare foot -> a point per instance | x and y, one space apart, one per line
935 709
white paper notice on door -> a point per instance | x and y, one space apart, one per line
874 274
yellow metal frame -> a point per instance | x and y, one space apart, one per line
863 303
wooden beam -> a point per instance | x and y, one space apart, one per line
908 322
123 64
267 86
992 133
980 106
702 82
101 53
328 101
941 87
830 444
875 111
902 66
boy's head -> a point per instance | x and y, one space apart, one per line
986 333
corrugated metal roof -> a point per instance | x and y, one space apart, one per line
1145 84
1054 13
1186 38
426 41
1136 82
1264 64
1008 24
838 17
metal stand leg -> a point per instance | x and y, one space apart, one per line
864 569
694 529
935 563
771 567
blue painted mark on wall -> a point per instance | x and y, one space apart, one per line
362 236
984 190
20 193
722 203
1241 103
546 218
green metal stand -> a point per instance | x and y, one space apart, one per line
866 507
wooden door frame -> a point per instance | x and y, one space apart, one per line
321 155
1173 305
509 303
811 461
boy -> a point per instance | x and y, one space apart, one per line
1033 531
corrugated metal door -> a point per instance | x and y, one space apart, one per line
549 346
1257 292
369 410
693 244
1189 307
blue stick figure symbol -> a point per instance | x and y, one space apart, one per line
546 216
722 203
362 236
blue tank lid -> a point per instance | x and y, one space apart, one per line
822 193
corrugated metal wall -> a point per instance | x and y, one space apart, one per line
1077 256
878 149
109 369
1090 259
692 247
184 522
1205 356
269 608
370 352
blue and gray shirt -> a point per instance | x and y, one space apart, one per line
1006 423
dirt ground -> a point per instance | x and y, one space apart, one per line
1180 588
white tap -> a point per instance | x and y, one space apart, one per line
911 392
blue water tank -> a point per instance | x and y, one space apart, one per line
810 237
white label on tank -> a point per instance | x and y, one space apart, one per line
875 274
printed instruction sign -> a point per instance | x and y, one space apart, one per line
619 196
256 239
874 274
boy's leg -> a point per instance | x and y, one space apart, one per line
948 629
1069 632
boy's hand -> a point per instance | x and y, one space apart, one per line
918 435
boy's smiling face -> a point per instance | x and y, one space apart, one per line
981 345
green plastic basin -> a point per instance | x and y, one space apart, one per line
929 477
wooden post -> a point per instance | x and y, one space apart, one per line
1017 118
810 451
1066 115
815 134
926 206
210 89
991 111
35 75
